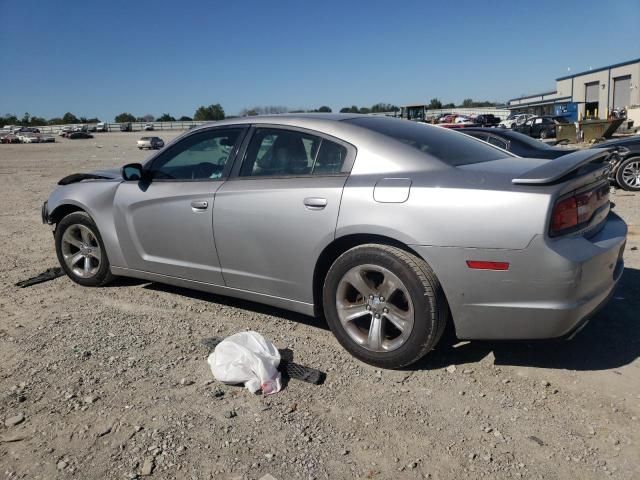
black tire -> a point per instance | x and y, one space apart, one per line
102 275
430 307
620 180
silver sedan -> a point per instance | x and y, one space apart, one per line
387 228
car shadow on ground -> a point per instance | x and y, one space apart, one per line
610 340
241 304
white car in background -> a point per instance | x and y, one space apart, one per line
515 119
147 127
29 138
151 143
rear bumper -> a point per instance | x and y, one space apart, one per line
551 289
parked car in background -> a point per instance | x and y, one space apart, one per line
78 135
47 139
65 130
102 127
29 137
540 127
20 130
487 120
9 138
147 127
515 119
625 166
516 142
389 229
125 127
92 128
152 143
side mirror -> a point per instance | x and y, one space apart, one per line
132 172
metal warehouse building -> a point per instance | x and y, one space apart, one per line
591 94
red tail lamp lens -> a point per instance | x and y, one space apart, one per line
565 214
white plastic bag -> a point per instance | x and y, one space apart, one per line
249 358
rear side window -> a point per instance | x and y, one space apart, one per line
497 142
277 152
446 145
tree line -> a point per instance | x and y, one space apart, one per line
216 112
436 104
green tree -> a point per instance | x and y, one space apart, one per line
365 110
324 109
37 121
467 103
55 121
70 118
125 118
212 112
93 120
434 104
165 117
8 119
384 107
448 105
25 119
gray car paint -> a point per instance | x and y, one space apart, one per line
268 242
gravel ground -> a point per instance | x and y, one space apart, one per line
113 382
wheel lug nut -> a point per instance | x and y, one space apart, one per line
377 315
368 307
370 297
385 310
382 299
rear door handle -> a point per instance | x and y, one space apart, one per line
315 203
199 205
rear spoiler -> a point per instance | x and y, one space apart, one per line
554 170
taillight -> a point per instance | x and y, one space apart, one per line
574 212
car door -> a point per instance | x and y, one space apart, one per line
164 222
279 210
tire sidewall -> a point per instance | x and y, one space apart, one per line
80 218
619 179
424 322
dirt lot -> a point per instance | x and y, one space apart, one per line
113 382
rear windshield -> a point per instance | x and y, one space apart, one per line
448 146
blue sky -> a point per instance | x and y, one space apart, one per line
100 58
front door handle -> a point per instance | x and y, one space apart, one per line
315 203
199 205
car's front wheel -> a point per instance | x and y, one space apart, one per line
81 252
384 305
628 174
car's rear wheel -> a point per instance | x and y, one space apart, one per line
81 252
384 305
628 174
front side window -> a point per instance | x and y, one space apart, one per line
201 156
276 152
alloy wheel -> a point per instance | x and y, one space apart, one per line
631 174
81 251
375 308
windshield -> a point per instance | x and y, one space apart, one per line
441 143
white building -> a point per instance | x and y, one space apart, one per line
590 94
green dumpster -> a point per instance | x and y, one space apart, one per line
566 131
596 129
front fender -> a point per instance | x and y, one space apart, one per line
95 198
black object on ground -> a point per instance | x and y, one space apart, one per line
288 368
48 274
